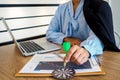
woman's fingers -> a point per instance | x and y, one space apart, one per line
83 57
75 55
71 52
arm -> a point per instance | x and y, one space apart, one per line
91 46
54 32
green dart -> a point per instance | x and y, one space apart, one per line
66 48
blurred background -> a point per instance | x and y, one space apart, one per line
29 19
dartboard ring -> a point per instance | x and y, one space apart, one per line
63 73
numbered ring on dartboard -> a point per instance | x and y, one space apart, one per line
63 73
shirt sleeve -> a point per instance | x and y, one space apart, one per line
54 33
93 44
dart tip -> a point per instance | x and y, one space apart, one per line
64 64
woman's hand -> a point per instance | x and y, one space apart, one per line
77 54
73 41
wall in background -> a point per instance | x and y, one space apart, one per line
15 12
116 14
27 19
32 1
115 6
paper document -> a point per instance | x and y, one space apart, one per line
46 63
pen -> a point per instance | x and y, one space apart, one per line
66 48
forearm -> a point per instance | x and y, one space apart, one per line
93 45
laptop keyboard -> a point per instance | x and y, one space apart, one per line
30 46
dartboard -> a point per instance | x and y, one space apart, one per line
63 73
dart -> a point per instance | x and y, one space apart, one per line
66 48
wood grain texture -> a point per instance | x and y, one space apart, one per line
11 61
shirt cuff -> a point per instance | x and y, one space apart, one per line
92 50
88 51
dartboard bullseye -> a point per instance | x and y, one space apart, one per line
63 73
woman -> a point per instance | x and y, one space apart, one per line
80 22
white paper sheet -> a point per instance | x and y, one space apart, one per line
37 58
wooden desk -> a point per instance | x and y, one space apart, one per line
11 61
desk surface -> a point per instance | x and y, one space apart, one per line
11 61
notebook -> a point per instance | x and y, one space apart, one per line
44 64
31 47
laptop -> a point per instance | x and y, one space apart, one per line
32 47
